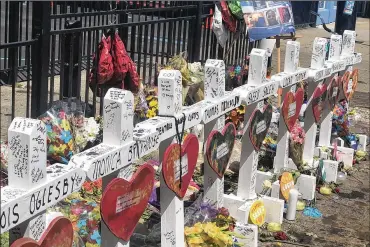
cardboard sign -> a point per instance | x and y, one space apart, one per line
257 213
171 164
220 147
123 202
259 125
318 97
291 107
58 234
286 184
333 92
349 82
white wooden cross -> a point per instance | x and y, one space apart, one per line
170 104
341 52
252 95
287 81
217 102
122 145
318 71
33 187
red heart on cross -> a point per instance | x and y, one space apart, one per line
123 202
259 126
318 98
219 148
349 83
171 164
291 107
333 91
58 234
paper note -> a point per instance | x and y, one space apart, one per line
261 126
292 108
184 165
127 200
222 150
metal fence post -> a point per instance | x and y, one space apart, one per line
71 81
40 57
13 52
343 21
197 34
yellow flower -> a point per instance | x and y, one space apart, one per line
149 97
153 103
151 113
65 125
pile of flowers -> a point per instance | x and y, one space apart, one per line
297 136
342 119
216 230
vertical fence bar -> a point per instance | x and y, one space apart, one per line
40 57
28 70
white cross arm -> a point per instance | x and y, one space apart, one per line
102 160
213 110
320 74
19 205
252 94
288 79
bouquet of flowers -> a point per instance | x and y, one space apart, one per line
296 144
59 133
86 132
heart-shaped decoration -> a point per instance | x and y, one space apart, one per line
58 234
123 202
286 184
259 125
333 91
220 147
349 83
291 107
318 99
171 164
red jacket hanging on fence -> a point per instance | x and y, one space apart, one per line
124 68
115 67
227 17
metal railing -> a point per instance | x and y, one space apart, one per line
50 45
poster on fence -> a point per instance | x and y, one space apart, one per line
267 18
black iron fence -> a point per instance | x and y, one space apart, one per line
49 46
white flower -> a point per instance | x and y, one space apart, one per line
267 184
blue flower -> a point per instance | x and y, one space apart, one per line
66 136
96 236
48 128
81 223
